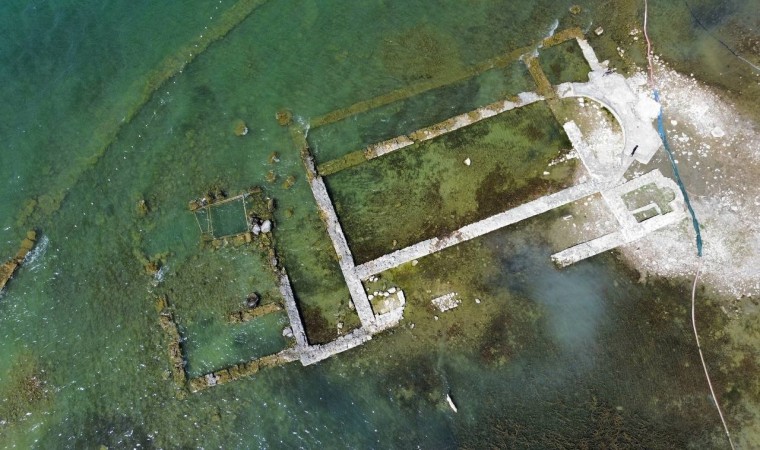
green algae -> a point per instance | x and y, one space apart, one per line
564 63
24 392
228 219
419 53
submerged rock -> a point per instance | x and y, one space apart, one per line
446 302
142 208
253 300
289 182
240 128
284 117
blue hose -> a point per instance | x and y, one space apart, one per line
661 130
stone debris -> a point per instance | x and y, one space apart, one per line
447 302
388 301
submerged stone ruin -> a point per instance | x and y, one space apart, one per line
639 203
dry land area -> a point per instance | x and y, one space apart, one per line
717 151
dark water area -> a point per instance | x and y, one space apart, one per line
98 117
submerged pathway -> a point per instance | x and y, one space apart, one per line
294 317
345 258
473 230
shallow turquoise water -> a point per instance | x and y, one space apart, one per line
82 313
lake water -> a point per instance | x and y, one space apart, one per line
99 112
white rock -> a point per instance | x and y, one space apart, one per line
287 332
718 132
415 262
370 297
340 325
446 302
546 173
477 300
392 290
599 31
266 227
467 162
256 229
674 122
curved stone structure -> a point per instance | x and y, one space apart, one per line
635 113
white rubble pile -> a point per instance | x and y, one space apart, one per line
718 154
447 302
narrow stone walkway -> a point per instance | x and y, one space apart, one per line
425 134
317 353
292 309
345 258
473 230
